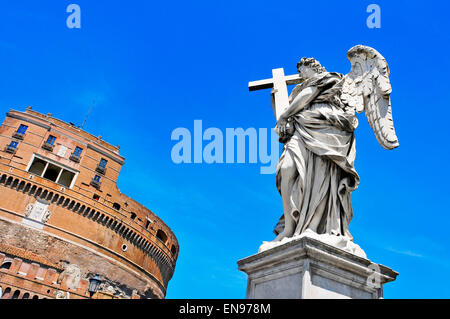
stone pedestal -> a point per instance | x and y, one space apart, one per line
307 268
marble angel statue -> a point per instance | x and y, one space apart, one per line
316 173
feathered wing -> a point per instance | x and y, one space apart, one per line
367 87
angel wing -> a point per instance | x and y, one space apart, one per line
367 87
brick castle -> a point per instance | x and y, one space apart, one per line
64 223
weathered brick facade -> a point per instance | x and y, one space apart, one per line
63 219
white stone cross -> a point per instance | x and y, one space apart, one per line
279 83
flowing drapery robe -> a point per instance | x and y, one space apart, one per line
322 148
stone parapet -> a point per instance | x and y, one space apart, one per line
307 268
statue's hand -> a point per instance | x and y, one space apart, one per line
285 129
281 126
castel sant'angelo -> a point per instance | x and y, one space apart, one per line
66 231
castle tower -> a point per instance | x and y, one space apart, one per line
63 220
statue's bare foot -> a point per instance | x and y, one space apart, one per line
280 236
286 233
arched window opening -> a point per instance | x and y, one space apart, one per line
6 293
6 265
9 181
66 202
161 235
21 185
33 190
15 183
16 294
72 203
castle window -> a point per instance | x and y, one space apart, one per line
26 296
37 167
6 293
66 178
6 265
116 206
161 235
12 147
78 151
173 250
76 154
103 163
96 181
101 167
20 131
16 294
133 216
51 140
52 172
96 197
50 143
147 224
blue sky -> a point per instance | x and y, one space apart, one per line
156 66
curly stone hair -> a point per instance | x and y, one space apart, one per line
312 63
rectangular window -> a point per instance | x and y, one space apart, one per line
52 172
97 178
37 167
51 140
22 129
13 145
78 151
66 178
102 163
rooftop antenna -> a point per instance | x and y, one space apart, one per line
90 110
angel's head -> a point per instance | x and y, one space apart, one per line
309 67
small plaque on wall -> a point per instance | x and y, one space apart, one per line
37 214
62 151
